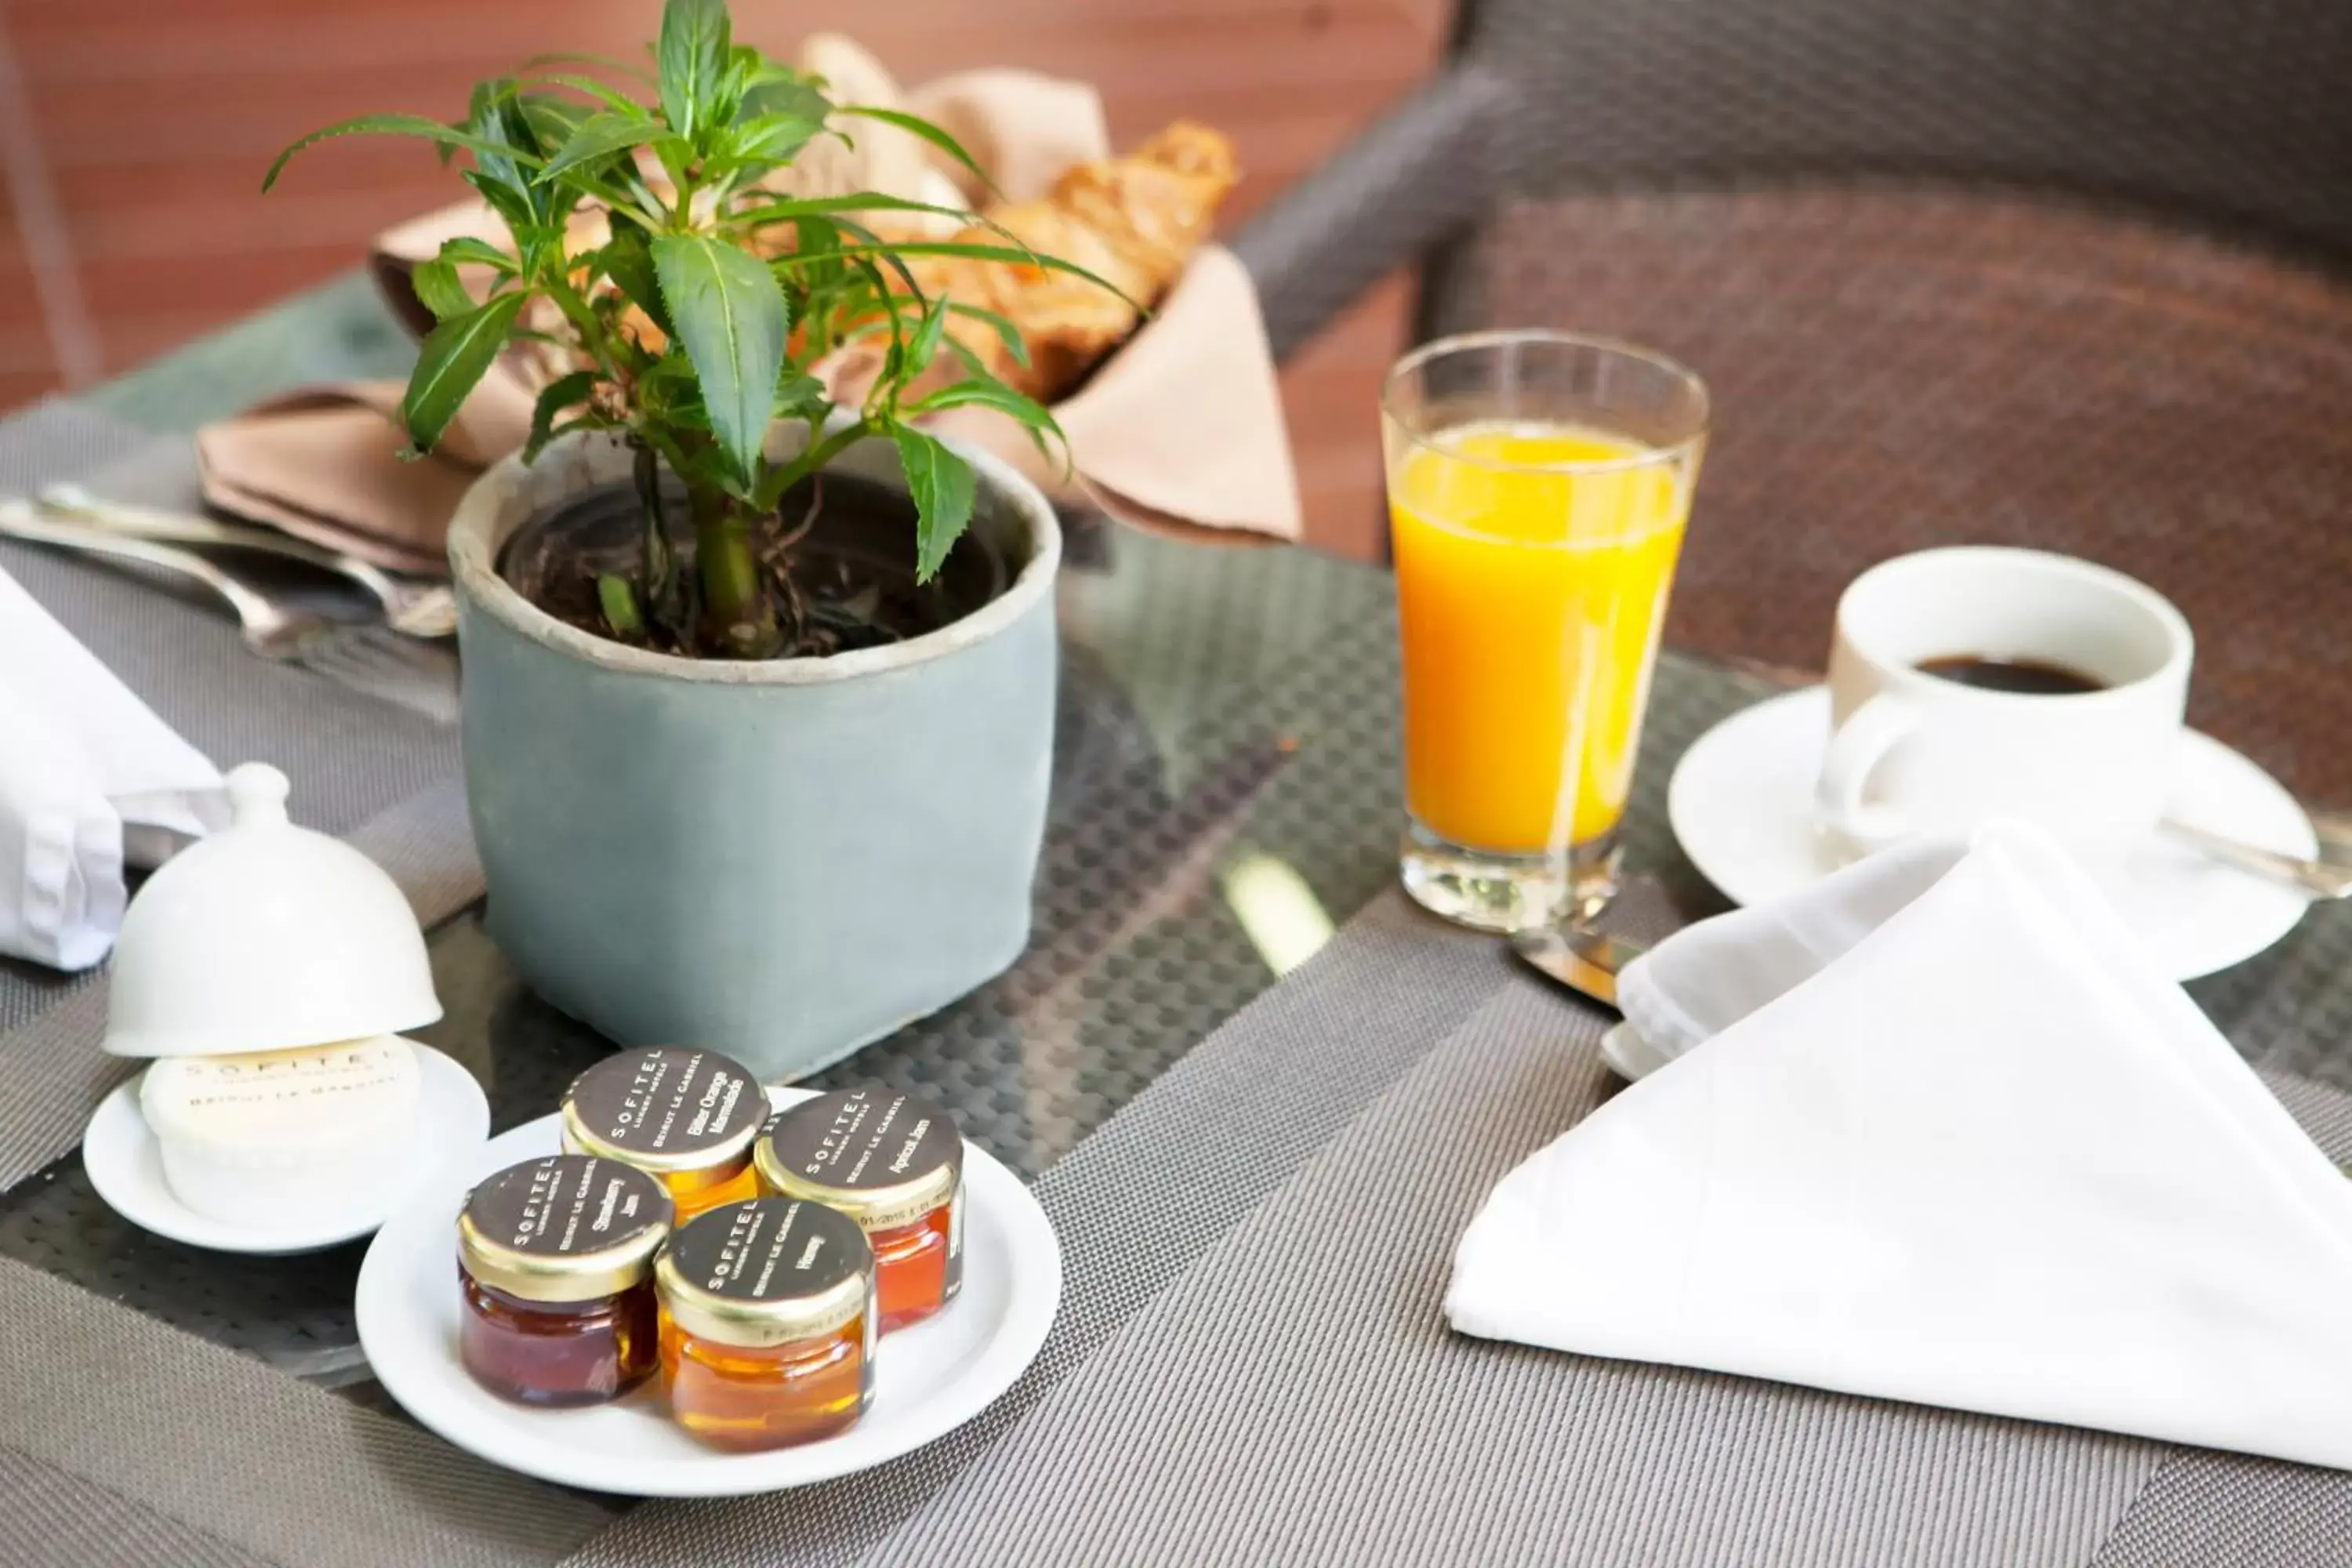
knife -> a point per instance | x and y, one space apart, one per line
1584 959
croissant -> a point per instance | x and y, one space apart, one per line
1133 221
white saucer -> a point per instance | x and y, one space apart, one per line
1742 806
929 1379
127 1168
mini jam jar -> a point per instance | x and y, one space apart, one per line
685 1117
894 1164
555 1257
768 1324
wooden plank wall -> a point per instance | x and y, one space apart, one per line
135 133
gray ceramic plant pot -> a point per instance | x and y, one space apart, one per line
779 860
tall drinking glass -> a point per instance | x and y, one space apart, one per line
1538 484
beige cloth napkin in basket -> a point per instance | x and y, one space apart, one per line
1180 430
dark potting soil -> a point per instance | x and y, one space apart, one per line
839 556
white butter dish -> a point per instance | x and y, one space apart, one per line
297 1139
125 1164
264 937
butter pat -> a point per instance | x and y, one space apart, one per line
270 1139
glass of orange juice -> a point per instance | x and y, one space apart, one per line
1539 483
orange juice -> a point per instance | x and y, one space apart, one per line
1531 586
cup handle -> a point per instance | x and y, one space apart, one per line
1856 749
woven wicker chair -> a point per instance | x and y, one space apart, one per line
2070 273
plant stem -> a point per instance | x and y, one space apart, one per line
738 619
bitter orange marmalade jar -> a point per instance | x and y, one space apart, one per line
768 1324
894 1164
555 1257
686 1117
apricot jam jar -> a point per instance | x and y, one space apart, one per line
685 1117
555 1257
768 1324
894 1164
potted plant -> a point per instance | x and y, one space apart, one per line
759 674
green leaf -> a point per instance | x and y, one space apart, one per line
401 125
925 343
916 125
629 263
943 486
692 56
774 212
610 98
436 288
1006 333
497 117
567 57
601 136
800 395
552 120
465 248
783 93
981 390
730 317
770 139
452 360
979 252
986 392
558 395
618 600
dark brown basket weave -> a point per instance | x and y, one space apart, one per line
1897 369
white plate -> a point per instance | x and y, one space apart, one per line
929 1380
1742 804
125 1165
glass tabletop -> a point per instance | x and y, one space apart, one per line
1226 794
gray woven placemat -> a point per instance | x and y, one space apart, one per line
218 1443
1297 1396
1274 1382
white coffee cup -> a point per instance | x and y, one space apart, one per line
1911 752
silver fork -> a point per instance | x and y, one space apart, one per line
413 609
403 669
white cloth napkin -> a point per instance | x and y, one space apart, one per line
1707 977
89 779
1988 1157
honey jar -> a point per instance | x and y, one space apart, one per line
768 1324
894 1164
555 1258
686 1117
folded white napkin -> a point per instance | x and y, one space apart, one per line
1707 977
1990 1157
90 778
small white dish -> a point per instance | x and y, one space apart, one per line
1741 804
125 1164
929 1380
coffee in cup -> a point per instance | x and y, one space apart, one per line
1978 682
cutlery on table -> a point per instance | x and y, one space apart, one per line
413 609
404 670
2320 879
1587 961
1584 959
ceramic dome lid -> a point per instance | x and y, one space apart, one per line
265 936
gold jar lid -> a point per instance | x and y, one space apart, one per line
765 1272
666 1109
884 1158
571 1228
